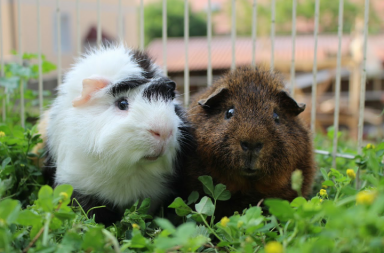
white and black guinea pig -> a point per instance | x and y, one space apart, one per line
115 132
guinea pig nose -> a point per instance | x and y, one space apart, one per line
160 134
154 133
246 146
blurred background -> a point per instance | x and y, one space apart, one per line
76 23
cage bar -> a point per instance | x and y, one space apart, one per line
314 70
20 54
120 21
273 7
254 32
98 24
323 152
39 55
186 66
233 35
294 4
362 89
78 35
165 37
338 81
58 13
141 24
4 109
209 40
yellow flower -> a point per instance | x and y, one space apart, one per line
240 223
323 193
2 134
351 174
274 247
63 195
224 221
135 226
370 146
365 197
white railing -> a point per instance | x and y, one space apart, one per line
209 40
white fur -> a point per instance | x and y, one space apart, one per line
99 149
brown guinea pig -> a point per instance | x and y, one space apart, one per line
249 137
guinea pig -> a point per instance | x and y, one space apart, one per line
249 137
115 132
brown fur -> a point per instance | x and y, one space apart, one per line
255 95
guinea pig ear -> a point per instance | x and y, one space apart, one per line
214 98
289 104
90 86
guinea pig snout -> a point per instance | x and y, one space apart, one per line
161 134
251 147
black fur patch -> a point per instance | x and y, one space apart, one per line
126 85
145 63
163 88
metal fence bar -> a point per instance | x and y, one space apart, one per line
165 37
4 109
98 24
362 89
254 32
58 13
209 39
314 70
40 60
338 81
233 35
78 35
186 67
294 4
273 6
141 25
323 152
20 53
120 21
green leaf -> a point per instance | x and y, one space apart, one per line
165 224
9 210
144 206
328 183
64 193
298 202
181 208
45 198
280 208
5 162
324 174
93 240
220 192
207 185
28 218
185 231
193 197
223 244
71 242
138 241
205 206
253 213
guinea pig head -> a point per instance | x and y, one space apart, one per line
247 126
124 114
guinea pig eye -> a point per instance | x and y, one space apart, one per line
229 113
122 104
276 117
